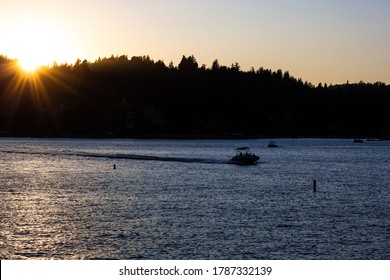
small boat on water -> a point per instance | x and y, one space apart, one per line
272 144
244 156
358 140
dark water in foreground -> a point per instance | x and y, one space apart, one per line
176 199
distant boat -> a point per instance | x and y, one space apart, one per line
272 144
358 140
244 156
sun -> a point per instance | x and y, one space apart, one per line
36 42
29 64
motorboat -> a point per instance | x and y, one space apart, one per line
358 140
244 156
272 144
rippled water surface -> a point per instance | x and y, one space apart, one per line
181 199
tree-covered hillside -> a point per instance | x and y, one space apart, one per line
140 97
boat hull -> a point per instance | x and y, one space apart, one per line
245 160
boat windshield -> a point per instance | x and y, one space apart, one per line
243 151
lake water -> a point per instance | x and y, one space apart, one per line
181 199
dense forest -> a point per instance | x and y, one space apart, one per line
140 97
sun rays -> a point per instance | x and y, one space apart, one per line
25 84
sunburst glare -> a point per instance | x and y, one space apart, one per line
26 81
35 43
29 64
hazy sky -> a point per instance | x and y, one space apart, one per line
328 41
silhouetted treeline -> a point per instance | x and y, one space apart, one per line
140 97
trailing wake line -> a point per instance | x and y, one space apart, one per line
120 156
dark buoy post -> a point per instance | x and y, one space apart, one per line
314 185
114 166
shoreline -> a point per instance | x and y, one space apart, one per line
197 137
